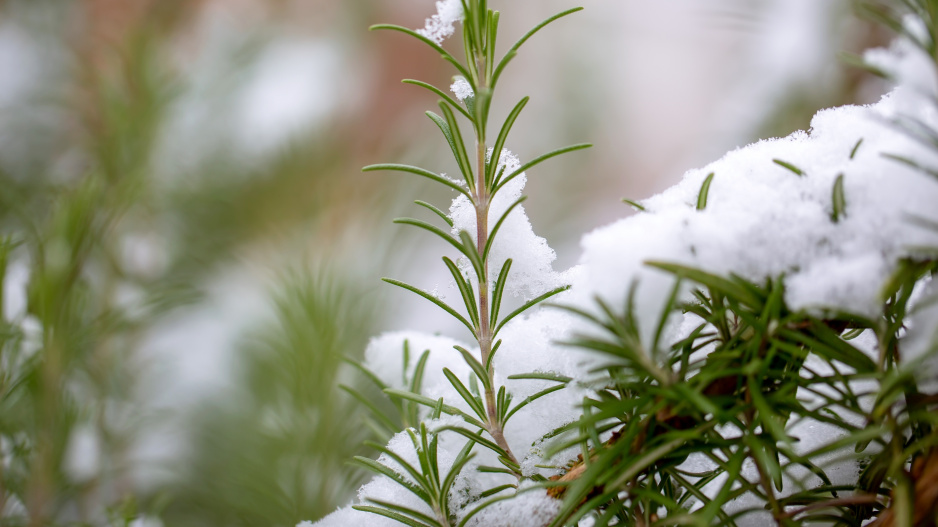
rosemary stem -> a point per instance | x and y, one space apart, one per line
482 203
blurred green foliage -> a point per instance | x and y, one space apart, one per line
274 453
83 191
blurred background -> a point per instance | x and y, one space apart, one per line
188 248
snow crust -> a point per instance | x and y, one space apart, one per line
761 220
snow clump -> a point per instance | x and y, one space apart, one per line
462 89
441 26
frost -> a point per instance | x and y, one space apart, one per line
462 89
441 26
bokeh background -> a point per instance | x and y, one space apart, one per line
189 250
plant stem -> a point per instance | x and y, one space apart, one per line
482 203
778 513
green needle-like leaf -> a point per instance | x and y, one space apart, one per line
933 172
446 486
471 252
416 383
457 149
416 515
502 137
383 419
704 192
826 343
459 146
475 365
442 305
789 166
491 359
499 183
414 473
528 305
856 148
635 205
498 225
714 508
393 515
464 392
771 421
545 376
468 251
432 403
490 43
482 104
378 468
514 49
439 49
465 289
432 208
499 289
476 438
728 287
445 96
420 172
838 200
530 399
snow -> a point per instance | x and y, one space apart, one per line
534 508
441 26
531 272
384 489
904 62
921 342
462 89
761 220
347 517
385 357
